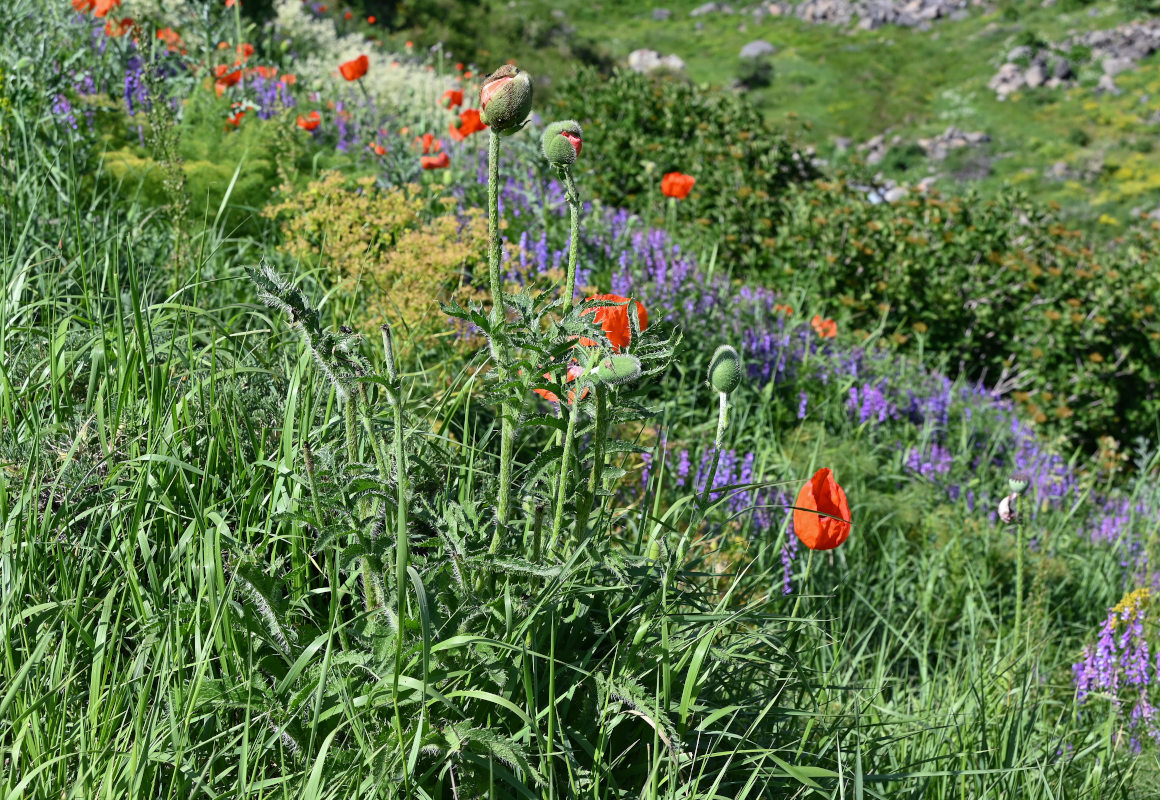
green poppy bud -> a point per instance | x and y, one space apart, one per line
616 369
1018 483
506 99
562 142
725 370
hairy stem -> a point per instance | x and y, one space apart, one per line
562 482
594 477
507 432
574 239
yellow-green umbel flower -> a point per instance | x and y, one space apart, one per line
506 99
562 142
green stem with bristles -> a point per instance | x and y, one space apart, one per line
507 432
574 240
1018 567
562 480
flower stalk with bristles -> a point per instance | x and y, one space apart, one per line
561 145
724 378
505 100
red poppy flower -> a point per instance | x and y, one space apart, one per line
677 184
783 309
245 50
99 8
825 328
355 68
115 28
377 149
467 74
459 66
452 98
428 143
289 79
489 90
469 123
821 495
573 373
231 3
235 119
310 121
347 15
409 44
614 320
371 20
435 162
170 37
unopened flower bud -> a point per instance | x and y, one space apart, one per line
725 370
506 99
562 142
1007 508
1018 483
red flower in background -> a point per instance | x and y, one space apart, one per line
245 50
231 3
452 98
821 515
172 40
825 328
371 20
235 119
573 373
115 28
428 144
99 8
310 122
377 149
614 320
677 184
469 123
355 68
435 162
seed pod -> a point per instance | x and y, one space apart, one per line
1018 483
562 142
506 99
725 370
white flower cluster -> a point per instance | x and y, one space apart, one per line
321 48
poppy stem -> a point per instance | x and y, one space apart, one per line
802 586
594 477
507 434
722 421
562 482
402 540
1018 565
574 238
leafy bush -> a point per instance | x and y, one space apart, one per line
998 287
640 128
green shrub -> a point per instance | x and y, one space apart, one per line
1007 293
637 129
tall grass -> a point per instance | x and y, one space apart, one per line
200 557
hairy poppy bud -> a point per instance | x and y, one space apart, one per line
562 142
506 99
1018 483
725 370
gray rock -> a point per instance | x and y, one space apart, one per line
1035 76
1017 53
661 14
647 61
1107 85
757 48
1114 66
895 195
1061 70
707 8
